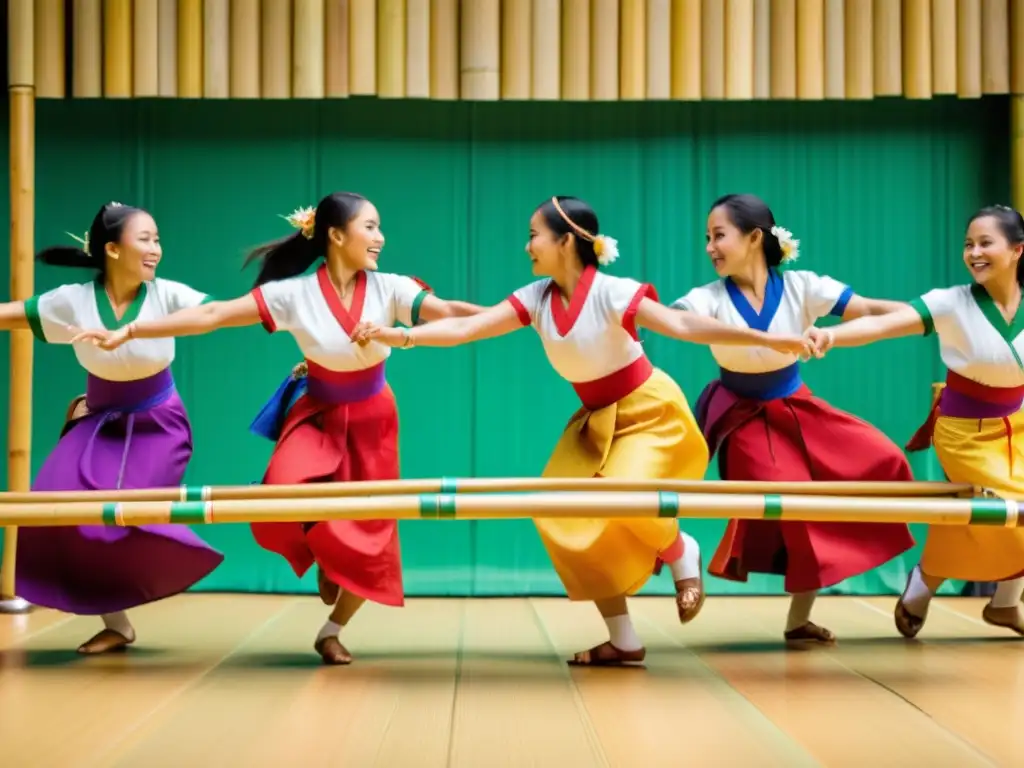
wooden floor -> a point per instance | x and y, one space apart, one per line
224 680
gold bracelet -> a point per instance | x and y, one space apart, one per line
409 341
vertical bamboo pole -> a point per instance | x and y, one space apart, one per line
190 49
21 93
216 49
444 49
604 50
968 49
917 49
480 35
810 49
632 50
739 46
763 49
659 49
276 49
49 49
575 50
944 54
1016 156
145 49
995 53
86 50
117 49
516 48
783 49
391 49
167 48
835 50
308 50
336 49
546 51
686 49
712 29
417 49
888 48
1017 51
858 41
362 47
244 73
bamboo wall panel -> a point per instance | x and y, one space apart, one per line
569 50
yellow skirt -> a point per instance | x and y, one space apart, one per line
649 434
980 452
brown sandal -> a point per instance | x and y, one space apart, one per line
328 589
607 655
1005 618
810 633
105 641
690 596
332 652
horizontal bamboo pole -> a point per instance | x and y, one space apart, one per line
488 485
451 506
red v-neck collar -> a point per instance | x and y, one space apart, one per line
564 318
347 318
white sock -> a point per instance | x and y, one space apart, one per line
622 634
1008 593
119 623
800 609
917 596
687 566
329 629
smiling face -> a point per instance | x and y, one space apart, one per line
360 241
988 254
545 247
137 252
729 248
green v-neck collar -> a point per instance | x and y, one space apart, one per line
1008 330
106 309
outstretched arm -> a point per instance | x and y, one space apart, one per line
689 326
194 321
494 321
434 309
862 306
13 317
904 322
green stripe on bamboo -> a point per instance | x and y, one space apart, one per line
772 506
194 492
449 485
437 506
668 504
988 512
189 513
109 514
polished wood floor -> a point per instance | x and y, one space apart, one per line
231 680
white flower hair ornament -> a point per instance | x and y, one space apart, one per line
304 220
790 245
606 249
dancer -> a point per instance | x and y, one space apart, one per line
130 430
634 423
976 421
345 427
765 424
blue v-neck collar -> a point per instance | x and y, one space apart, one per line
772 299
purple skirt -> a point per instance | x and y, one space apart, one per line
136 435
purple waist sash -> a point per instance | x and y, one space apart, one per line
109 400
338 387
961 406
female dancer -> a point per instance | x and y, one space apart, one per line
635 421
129 431
345 427
766 425
977 417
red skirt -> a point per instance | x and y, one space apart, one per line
800 438
322 442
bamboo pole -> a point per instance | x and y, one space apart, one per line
391 49
739 45
276 49
917 49
995 53
86 50
712 29
308 63
810 49
968 49
659 49
575 50
417 49
835 50
604 50
516 44
49 49
633 50
167 48
444 49
1017 50
887 20
783 49
21 95
190 49
216 49
480 49
686 49
244 73
546 50
145 48
489 485
336 49
944 53
763 49
1004 513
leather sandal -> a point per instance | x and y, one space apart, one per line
332 652
607 655
105 641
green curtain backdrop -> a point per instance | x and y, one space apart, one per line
878 193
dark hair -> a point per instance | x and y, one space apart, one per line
582 215
292 255
107 227
1011 224
750 212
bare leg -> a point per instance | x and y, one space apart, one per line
799 627
327 643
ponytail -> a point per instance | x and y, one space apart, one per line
107 227
283 258
69 256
